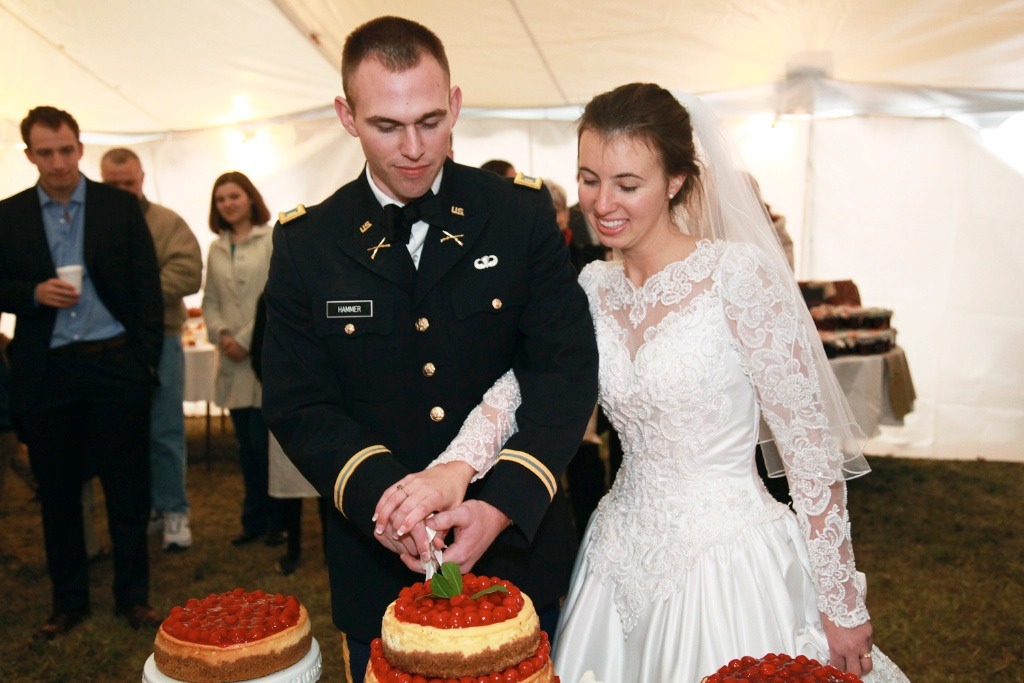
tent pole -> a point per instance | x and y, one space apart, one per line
806 270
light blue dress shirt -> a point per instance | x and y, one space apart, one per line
89 319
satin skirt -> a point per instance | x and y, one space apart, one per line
752 596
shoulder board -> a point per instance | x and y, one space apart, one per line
528 181
292 214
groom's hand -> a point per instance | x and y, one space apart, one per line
476 525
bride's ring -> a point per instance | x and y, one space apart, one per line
866 655
400 488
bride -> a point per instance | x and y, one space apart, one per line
688 562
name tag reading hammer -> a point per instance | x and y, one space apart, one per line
362 308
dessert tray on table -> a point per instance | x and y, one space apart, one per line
306 670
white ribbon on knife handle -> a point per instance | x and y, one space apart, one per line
433 563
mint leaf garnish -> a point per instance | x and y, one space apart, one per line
447 583
490 589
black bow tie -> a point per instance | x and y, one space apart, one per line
400 219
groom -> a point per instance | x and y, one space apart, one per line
383 335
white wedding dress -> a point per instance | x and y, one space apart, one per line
688 562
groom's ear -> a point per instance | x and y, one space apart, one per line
346 114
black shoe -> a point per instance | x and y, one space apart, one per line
244 538
60 623
275 538
287 564
139 615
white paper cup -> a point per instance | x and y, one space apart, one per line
72 275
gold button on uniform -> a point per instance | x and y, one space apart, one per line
496 304
350 328
429 369
437 413
422 324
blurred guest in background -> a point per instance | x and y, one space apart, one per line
558 198
181 274
499 167
286 483
80 273
236 271
11 453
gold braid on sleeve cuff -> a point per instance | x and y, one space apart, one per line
535 466
350 467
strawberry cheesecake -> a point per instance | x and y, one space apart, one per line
233 636
780 667
478 629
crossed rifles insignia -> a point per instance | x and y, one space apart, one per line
380 245
449 236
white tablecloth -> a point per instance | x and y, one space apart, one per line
285 479
200 372
867 382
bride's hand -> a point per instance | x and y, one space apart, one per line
847 646
416 496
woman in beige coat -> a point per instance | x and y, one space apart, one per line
236 273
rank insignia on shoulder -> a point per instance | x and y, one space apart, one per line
292 214
528 181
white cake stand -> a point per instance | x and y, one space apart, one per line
306 670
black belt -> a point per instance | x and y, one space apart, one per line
89 348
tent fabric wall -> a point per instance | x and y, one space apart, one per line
927 222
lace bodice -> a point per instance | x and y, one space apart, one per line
689 363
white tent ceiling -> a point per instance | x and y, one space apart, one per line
153 66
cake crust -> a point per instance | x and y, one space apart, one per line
545 675
535 669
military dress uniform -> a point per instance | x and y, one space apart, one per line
370 371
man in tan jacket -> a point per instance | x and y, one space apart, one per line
181 274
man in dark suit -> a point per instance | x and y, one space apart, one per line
383 335
83 361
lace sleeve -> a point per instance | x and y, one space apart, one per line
776 353
487 428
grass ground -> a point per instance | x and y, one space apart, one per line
942 543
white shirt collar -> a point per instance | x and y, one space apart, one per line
385 199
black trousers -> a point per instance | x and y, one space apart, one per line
92 419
